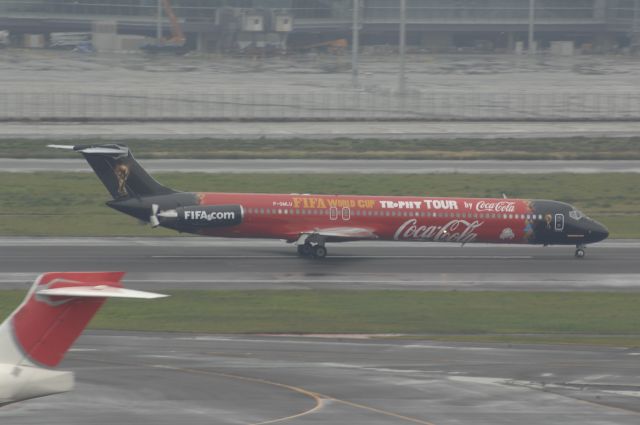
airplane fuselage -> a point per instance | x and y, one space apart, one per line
428 219
312 220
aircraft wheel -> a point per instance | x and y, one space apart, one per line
580 253
319 251
305 250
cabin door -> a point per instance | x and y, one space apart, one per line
559 223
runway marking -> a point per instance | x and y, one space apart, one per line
320 401
382 412
547 389
318 397
376 257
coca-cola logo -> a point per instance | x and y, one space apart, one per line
453 231
499 207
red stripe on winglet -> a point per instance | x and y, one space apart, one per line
45 327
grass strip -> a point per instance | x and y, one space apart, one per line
72 204
344 148
536 317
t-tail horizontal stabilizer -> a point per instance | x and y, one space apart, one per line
37 335
118 170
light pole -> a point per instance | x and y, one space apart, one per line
159 21
403 35
532 17
355 43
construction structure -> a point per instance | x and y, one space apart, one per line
431 25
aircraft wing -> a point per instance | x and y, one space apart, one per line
338 234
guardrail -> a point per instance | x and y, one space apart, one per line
327 106
434 10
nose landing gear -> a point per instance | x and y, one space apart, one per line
580 251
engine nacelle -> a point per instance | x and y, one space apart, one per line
210 215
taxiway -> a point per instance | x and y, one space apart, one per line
168 379
208 263
320 166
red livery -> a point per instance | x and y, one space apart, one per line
310 221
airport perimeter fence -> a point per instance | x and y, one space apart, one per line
320 106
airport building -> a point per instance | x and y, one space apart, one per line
245 25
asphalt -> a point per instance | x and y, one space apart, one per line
315 130
209 379
209 263
157 378
305 166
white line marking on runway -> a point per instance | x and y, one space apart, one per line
399 282
434 257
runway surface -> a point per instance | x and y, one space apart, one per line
315 130
337 166
168 379
209 263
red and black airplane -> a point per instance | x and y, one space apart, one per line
310 221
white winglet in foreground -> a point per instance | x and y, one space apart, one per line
36 336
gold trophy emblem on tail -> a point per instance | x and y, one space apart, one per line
122 174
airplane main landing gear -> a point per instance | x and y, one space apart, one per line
305 250
319 251
580 253
315 251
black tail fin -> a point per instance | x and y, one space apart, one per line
120 172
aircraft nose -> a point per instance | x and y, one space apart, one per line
597 232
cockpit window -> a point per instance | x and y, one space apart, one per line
576 215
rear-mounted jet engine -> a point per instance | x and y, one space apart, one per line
198 216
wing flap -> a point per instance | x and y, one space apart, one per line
340 234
